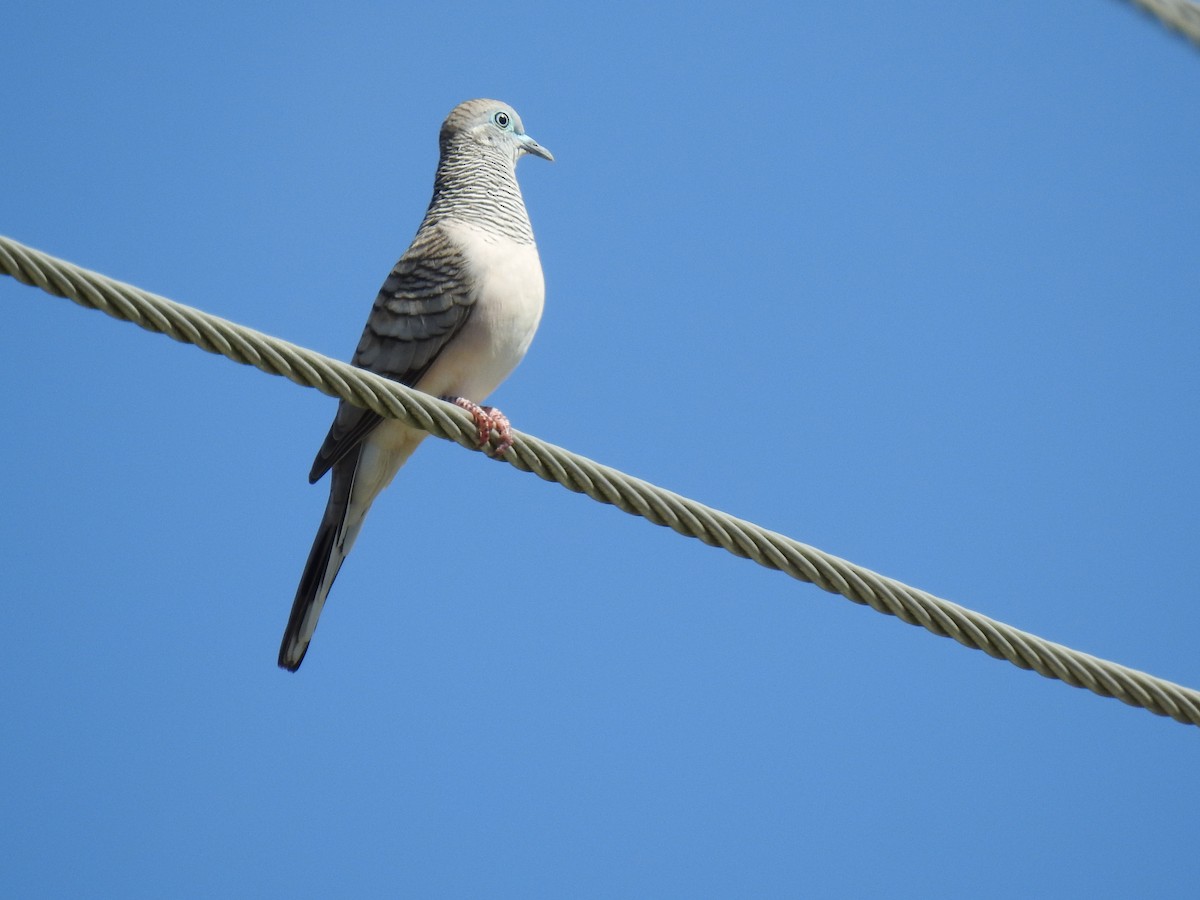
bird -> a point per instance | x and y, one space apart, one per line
453 319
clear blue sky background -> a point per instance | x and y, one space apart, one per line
915 283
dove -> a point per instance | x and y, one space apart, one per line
453 319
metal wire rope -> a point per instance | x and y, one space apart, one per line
607 485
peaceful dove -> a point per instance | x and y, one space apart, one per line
453 319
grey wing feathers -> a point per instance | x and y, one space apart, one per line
423 303
350 426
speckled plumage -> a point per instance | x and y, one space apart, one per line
453 318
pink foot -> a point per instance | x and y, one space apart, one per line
486 418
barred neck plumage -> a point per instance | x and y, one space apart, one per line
477 184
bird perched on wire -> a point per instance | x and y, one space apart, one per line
453 319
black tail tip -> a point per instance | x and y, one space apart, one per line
287 662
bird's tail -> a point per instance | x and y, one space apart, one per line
334 538
324 561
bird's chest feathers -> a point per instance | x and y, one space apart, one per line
507 279
511 290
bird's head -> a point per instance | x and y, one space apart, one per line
491 124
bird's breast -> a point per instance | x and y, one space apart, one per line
507 280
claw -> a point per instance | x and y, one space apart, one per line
486 418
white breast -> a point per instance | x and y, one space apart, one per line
510 291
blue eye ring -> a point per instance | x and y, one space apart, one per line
502 119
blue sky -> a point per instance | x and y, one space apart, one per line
914 283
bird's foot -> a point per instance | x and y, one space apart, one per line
486 418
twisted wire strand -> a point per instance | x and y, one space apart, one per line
1180 15
607 485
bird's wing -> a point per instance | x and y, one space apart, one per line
424 303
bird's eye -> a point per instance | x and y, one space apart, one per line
501 119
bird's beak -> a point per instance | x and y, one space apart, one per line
529 145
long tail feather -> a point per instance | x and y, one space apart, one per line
334 538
